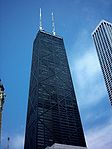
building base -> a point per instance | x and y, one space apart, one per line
63 146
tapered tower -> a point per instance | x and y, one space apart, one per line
53 115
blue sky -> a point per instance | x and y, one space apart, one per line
74 20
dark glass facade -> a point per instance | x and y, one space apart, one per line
53 115
103 41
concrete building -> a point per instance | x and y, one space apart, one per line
102 36
63 146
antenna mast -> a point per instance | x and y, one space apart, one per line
8 140
40 27
53 26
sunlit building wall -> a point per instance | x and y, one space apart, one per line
102 37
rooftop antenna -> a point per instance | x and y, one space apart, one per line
40 27
8 140
53 26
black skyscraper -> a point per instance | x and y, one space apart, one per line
53 115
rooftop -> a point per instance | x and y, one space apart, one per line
50 34
102 21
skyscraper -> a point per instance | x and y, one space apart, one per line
102 37
53 115
2 96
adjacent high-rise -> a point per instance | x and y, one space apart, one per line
53 115
2 96
102 37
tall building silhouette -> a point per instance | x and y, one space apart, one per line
2 98
53 115
102 37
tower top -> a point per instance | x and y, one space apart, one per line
40 26
101 22
1 85
53 26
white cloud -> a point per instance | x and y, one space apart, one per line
86 67
17 142
88 78
100 137
82 38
